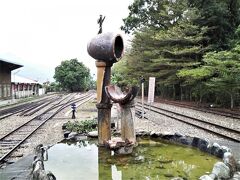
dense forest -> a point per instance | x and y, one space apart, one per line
192 47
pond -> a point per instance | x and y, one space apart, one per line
150 160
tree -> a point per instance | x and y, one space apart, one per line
91 84
53 87
226 68
72 75
161 52
220 72
157 14
122 74
171 40
221 17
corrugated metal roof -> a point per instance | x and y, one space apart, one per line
19 79
13 65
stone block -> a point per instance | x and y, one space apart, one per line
66 134
236 176
221 170
205 177
72 135
203 145
195 141
185 140
93 134
214 148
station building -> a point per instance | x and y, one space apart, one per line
5 78
14 87
24 87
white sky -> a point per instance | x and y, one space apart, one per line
41 33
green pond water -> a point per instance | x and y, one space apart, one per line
84 160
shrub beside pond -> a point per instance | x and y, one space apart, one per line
81 126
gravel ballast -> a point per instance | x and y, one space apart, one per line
51 132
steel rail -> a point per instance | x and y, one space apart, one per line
6 155
15 110
196 119
34 110
198 126
21 105
72 100
37 117
30 108
217 112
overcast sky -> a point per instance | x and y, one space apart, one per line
39 34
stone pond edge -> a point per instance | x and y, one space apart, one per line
228 168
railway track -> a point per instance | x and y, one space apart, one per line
23 108
33 107
217 129
57 100
31 111
13 140
234 115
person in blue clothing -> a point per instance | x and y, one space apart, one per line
73 106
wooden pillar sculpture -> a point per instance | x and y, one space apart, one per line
126 103
106 49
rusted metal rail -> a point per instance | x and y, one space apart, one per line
235 134
234 115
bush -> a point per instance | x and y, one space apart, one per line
81 126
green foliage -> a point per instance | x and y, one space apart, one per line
236 39
81 126
122 75
163 53
91 83
221 17
220 72
72 75
195 75
226 68
159 14
186 44
53 87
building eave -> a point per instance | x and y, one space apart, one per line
11 65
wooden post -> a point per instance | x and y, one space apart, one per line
127 122
103 102
142 100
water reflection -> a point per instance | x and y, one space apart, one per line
104 167
150 160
